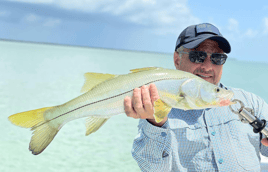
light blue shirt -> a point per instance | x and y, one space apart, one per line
202 140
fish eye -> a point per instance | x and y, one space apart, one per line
217 89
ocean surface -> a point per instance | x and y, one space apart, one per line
42 75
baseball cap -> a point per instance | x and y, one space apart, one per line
194 35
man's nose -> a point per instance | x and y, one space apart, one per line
207 65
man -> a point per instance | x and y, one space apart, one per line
212 139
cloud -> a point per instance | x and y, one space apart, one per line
265 21
4 13
36 1
36 19
265 7
52 22
251 33
234 33
233 25
170 17
31 18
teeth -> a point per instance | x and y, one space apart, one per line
204 76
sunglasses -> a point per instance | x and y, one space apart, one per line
200 56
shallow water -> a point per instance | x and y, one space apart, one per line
40 75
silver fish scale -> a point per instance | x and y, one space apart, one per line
108 96
125 83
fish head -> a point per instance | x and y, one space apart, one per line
214 96
196 93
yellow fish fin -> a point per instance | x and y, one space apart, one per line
172 96
161 110
94 123
28 119
180 97
42 137
93 79
166 94
143 69
43 133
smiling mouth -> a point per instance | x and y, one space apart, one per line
203 76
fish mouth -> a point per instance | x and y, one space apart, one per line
230 95
226 100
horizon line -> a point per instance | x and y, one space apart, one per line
80 46
83 46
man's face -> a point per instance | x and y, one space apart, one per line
207 71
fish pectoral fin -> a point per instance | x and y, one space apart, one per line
43 133
180 97
94 123
168 95
93 79
143 69
161 110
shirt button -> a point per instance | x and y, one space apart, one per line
163 134
164 154
220 161
213 133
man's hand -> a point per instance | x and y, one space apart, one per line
142 103
264 141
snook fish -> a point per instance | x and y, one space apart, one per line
105 95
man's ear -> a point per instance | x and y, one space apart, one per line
176 60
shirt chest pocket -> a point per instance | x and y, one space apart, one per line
245 144
191 138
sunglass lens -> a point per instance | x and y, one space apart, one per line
218 59
197 56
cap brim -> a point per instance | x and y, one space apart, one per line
223 43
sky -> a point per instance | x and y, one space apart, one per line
140 25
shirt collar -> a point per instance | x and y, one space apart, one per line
222 86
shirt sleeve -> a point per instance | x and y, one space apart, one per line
261 112
152 147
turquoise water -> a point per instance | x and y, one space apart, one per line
39 75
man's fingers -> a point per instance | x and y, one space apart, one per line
137 101
146 99
264 141
153 93
141 104
128 108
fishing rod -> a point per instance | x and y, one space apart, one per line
246 115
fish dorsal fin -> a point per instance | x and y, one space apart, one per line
94 123
93 79
143 69
161 110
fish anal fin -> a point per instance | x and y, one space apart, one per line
143 69
93 79
161 110
94 123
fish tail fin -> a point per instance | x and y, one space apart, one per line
42 137
94 123
43 134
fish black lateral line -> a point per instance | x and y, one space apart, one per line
104 96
